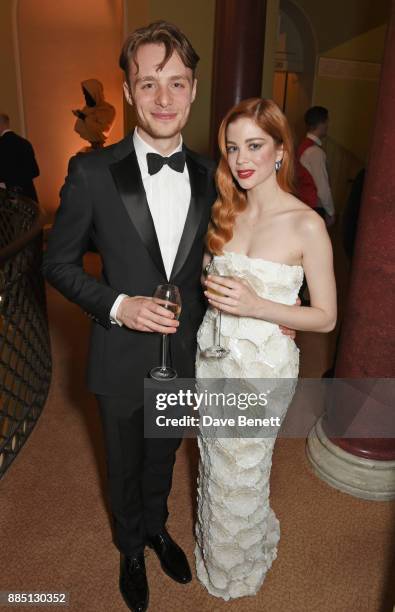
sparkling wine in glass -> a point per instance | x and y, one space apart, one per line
216 351
167 296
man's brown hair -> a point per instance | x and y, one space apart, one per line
159 32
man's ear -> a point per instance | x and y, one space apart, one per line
128 94
194 88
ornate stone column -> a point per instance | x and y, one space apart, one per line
238 57
365 466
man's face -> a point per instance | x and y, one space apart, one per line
162 98
323 128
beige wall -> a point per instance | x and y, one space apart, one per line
352 102
59 47
337 21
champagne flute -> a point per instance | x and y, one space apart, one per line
215 351
167 296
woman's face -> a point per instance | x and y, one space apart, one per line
251 152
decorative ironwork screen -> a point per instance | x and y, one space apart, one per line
25 357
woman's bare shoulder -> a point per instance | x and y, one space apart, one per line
292 203
299 211
302 216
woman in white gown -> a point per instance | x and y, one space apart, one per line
260 242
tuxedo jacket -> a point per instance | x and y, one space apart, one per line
104 200
18 166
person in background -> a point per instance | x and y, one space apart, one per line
18 165
312 175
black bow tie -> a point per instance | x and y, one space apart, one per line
175 161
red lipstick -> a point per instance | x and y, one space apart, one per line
244 174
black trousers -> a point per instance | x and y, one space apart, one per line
139 473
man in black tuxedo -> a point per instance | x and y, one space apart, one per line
18 166
145 202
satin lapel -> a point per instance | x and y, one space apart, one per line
127 178
198 181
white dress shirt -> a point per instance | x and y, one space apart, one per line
168 195
314 160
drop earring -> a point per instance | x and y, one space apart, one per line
278 164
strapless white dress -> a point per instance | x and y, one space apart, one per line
237 531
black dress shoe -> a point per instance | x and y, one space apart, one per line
133 583
172 559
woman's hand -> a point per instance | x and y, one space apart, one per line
237 296
239 299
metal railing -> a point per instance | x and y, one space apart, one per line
25 356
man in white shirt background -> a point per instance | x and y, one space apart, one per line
313 186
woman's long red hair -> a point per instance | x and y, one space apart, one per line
231 198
